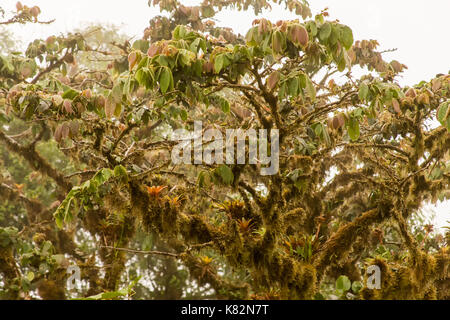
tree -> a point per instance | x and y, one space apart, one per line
358 158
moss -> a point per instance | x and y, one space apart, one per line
443 263
416 280
7 264
206 274
340 244
293 220
51 290
430 294
424 267
368 294
348 268
195 229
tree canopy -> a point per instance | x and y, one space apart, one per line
87 179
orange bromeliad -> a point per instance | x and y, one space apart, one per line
155 191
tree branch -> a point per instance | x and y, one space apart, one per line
159 253
35 161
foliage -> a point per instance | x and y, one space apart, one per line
87 181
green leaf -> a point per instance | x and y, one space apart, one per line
63 209
326 136
226 174
143 63
64 69
334 36
127 88
179 32
363 91
282 91
293 87
443 114
249 35
356 287
196 45
218 63
116 93
436 174
325 32
143 77
165 79
121 173
102 176
353 129
140 76
141 45
3 117
278 42
347 37
311 25
70 94
58 221
46 248
183 115
118 110
81 45
186 57
207 11
318 128
30 276
225 105
302 80
342 64
343 283
319 18
310 89
67 215
204 179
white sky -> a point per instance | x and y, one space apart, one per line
418 29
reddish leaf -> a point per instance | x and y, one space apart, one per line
58 133
273 80
132 60
35 11
436 85
411 93
153 50
338 121
110 107
397 66
67 105
396 106
299 35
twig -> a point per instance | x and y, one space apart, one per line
122 135
145 173
81 173
159 253
52 66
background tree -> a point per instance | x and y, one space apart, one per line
88 181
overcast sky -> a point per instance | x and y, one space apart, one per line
418 29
